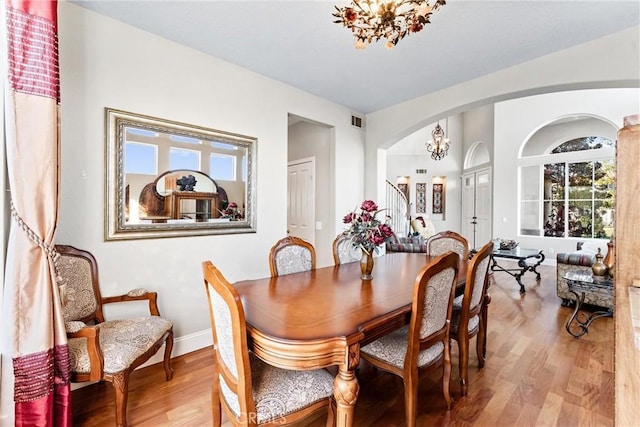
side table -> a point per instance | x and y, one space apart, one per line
579 284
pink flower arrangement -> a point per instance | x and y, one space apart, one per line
231 212
365 230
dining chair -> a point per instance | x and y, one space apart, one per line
107 350
467 320
424 342
291 255
343 251
445 241
250 391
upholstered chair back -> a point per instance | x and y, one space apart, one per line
344 252
291 255
231 360
480 274
80 292
446 241
436 302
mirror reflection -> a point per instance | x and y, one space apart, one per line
171 179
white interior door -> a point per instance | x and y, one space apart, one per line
483 207
476 207
301 196
468 206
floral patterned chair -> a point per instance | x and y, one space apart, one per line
343 250
291 255
448 241
469 319
250 391
424 343
107 350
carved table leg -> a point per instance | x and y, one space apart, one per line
346 387
345 391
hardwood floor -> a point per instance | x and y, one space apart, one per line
536 374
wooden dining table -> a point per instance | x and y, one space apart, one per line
321 318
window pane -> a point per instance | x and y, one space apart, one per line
185 139
581 180
223 167
580 218
582 144
554 181
140 158
602 219
605 180
530 218
223 145
554 215
184 159
530 183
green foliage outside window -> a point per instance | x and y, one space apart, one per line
579 197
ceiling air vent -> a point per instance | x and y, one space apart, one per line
420 171
356 121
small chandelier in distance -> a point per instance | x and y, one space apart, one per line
372 20
439 145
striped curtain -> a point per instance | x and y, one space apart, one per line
34 387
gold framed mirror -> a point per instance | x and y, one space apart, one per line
171 179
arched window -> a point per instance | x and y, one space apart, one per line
570 191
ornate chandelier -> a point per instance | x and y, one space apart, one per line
372 20
439 145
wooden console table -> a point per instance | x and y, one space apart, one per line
176 204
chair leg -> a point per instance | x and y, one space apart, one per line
216 409
463 362
331 413
484 322
121 389
481 342
446 374
411 399
168 346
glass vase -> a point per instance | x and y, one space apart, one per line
366 265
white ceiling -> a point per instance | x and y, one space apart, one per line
296 42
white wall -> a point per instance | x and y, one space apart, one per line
516 120
611 61
556 133
105 63
410 153
477 125
313 140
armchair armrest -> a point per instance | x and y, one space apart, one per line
136 295
92 335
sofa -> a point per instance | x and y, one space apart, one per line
416 242
406 244
581 260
